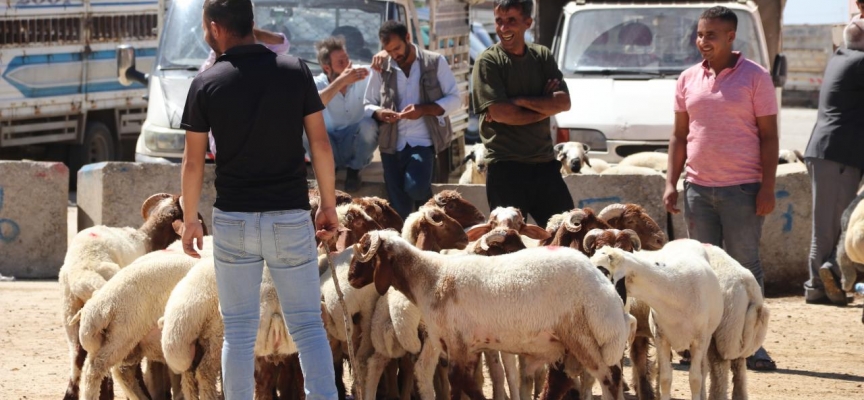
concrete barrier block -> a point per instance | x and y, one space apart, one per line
785 246
599 191
33 202
111 193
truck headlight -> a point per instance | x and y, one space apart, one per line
164 139
594 139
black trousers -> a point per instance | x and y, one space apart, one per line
535 189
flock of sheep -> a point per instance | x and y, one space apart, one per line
574 160
551 310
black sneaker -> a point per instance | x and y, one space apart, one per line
352 180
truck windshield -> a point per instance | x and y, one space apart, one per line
303 22
644 41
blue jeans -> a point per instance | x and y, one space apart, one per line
352 145
726 216
242 242
408 177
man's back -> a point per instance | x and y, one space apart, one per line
838 132
255 101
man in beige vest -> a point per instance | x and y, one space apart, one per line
410 98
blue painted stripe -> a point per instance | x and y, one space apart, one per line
60 58
79 5
32 6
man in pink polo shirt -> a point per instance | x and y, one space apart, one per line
726 134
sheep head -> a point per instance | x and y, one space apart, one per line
612 260
315 199
634 217
354 224
573 156
435 230
163 220
574 225
465 213
508 218
497 242
381 211
372 261
626 240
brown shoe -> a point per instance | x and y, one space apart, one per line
832 287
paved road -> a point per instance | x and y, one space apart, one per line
795 127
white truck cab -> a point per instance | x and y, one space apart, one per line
621 61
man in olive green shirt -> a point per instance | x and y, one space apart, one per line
517 87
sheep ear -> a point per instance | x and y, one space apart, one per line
383 275
534 232
558 147
178 226
344 240
426 241
477 231
586 147
634 239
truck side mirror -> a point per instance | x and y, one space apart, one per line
126 72
778 70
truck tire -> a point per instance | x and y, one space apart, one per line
98 146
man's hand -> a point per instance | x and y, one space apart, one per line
192 233
411 112
378 60
267 37
552 86
352 75
765 201
385 115
326 223
670 199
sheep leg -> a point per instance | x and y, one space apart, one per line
719 372
189 383
287 379
425 370
441 383
129 378
557 383
176 386
641 368
664 363
374 368
526 390
391 378
156 380
496 373
461 379
265 387
512 372
98 365
478 375
208 371
406 377
77 354
739 378
586 383
697 363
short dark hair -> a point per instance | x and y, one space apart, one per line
527 6
236 16
328 46
392 27
723 14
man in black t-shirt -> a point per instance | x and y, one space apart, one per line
257 105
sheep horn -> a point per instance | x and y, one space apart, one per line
151 202
634 239
591 237
576 216
373 248
428 214
612 211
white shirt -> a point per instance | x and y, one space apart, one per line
414 133
343 110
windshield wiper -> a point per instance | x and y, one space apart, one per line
618 71
178 68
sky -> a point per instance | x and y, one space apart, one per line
816 12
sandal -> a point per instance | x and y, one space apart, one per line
761 361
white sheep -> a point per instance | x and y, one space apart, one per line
96 254
631 170
685 320
475 166
787 156
742 328
648 159
119 325
850 249
574 159
539 302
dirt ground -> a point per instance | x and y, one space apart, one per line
817 349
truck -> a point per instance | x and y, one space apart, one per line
621 61
59 96
182 50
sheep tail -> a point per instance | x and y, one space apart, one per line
755 328
178 345
94 322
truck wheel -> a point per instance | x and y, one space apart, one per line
98 146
